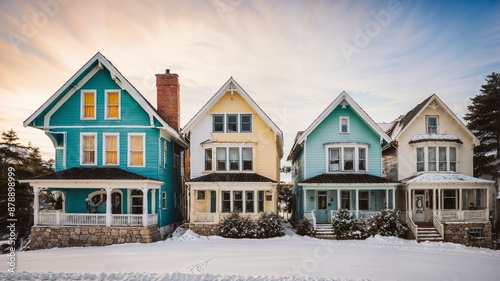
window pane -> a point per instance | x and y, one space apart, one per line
442 159
261 201
346 200
247 155
88 150
226 202
232 123
200 195
221 158
113 105
136 150
432 125
238 201
249 206
431 158
234 158
453 159
111 150
348 159
334 159
420 159
449 199
246 123
362 159
89 106
364 200
218 125
344 125
208 159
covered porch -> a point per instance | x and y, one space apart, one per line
112 188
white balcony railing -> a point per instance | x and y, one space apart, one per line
61 219
361 214
465 215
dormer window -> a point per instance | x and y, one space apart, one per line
344 125
432 125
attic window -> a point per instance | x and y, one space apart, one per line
112 104
432 124
344 124
88 104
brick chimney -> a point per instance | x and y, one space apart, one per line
168 98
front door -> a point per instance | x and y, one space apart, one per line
322 213
418 208
116 203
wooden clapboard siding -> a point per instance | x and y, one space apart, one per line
328 131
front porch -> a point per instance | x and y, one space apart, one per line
59 218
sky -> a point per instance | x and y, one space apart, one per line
292 57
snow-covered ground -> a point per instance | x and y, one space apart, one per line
292 257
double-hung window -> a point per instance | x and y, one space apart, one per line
208 159
112 108
362 159
449 199
234 158
352 158
453 159
431 158
345 199
218 123
344 125
88 149
348 159
226 201
221 158
232 123
436 158
88 104
442 159
247 155
432 124
164 200
420 159
246 123
136 148
364 200
334 159
111 145
249 202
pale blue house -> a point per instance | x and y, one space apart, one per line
113 148
336 164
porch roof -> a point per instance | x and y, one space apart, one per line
348 178
91 174
232 177
444 178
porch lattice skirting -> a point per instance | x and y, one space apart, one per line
46 237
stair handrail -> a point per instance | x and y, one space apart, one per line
413 227
438 224
313 216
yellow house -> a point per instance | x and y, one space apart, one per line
235 153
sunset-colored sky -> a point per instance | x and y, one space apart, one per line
292 57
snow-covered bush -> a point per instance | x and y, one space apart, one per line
305 227
386 223
269 225
345 226
236 226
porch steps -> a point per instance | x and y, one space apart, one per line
324 231
428 234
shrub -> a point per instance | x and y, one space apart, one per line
305 227
386 223
269 225
236 226
345 226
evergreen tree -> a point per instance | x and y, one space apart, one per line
484 121
285 196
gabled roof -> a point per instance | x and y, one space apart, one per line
347 178
232 177
402 123
232 85
74 83
301 137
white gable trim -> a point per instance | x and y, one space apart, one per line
355 107
434 97
225 88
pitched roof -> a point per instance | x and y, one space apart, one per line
219 94
232 177
301 136
348 178
402 123
98 61
92 174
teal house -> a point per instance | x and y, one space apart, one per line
118 160
337 164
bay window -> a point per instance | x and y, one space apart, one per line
221 158
234 159
436 158
231 158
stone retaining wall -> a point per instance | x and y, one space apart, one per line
459 233
204 229
46 237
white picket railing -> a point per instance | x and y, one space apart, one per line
438 224
361 214
465 215
59 218
203 217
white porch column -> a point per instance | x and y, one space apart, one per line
487 203
108 206
36 205
153 201
192 194
394 198
231 201
357 203
144 206
434 199
255 201
304 197
386 199
339 200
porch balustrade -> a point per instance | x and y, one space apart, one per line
360 214
464 215
61 219
311 216
217 217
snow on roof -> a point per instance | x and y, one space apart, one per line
450 178
435 137
385 126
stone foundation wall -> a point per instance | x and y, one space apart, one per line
46 237
459 233
204 229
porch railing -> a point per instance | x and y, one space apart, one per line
464 215
413 227
204 217
438 224
311 216
59 218
361 214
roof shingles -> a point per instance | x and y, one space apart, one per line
348 178
232 177
91 174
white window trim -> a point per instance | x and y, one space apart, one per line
223 123
165 154
238 123
240 159
348 124
437 146
251 123
163 199
82 104
356 147
106 109
104 135
81 149
427 123
143 150
205 159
